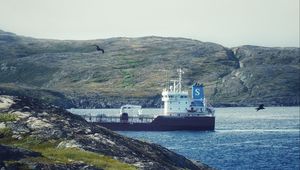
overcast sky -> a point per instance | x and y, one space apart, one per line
227 22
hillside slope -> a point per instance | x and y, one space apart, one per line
134 70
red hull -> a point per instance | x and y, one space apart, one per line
165 123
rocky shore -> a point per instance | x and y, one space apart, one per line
37 135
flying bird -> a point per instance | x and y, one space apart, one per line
260 107
98 48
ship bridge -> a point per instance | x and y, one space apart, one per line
177 102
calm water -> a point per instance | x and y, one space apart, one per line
244 138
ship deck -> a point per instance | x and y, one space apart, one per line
116 119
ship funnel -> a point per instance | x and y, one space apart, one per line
198 94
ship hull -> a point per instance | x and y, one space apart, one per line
165 123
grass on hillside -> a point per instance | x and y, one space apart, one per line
5 132
128 78
5 117
53 155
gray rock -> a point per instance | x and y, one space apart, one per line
75 132
68 144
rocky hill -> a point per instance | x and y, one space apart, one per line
134 70
36 135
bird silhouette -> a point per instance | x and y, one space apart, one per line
260 107
98 48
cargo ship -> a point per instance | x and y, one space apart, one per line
180 111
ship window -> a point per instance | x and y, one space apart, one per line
178 102
185 102
171 96
170 102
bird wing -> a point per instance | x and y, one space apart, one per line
96 46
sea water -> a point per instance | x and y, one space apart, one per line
244 138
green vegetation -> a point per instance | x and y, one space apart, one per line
52 155
27 72
128 78
74 154
135 63
6 117
5 132
131 65
125 63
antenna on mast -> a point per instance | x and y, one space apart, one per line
180 72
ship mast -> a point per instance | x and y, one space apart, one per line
177 86
180 72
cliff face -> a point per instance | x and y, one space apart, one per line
38 135
265 75
74 74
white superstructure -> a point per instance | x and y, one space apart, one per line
177 102
129 108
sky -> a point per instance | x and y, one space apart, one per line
227 22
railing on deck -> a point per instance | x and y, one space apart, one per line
116 119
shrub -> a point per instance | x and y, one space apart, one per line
6 117
5 132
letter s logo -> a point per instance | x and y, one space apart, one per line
197 92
